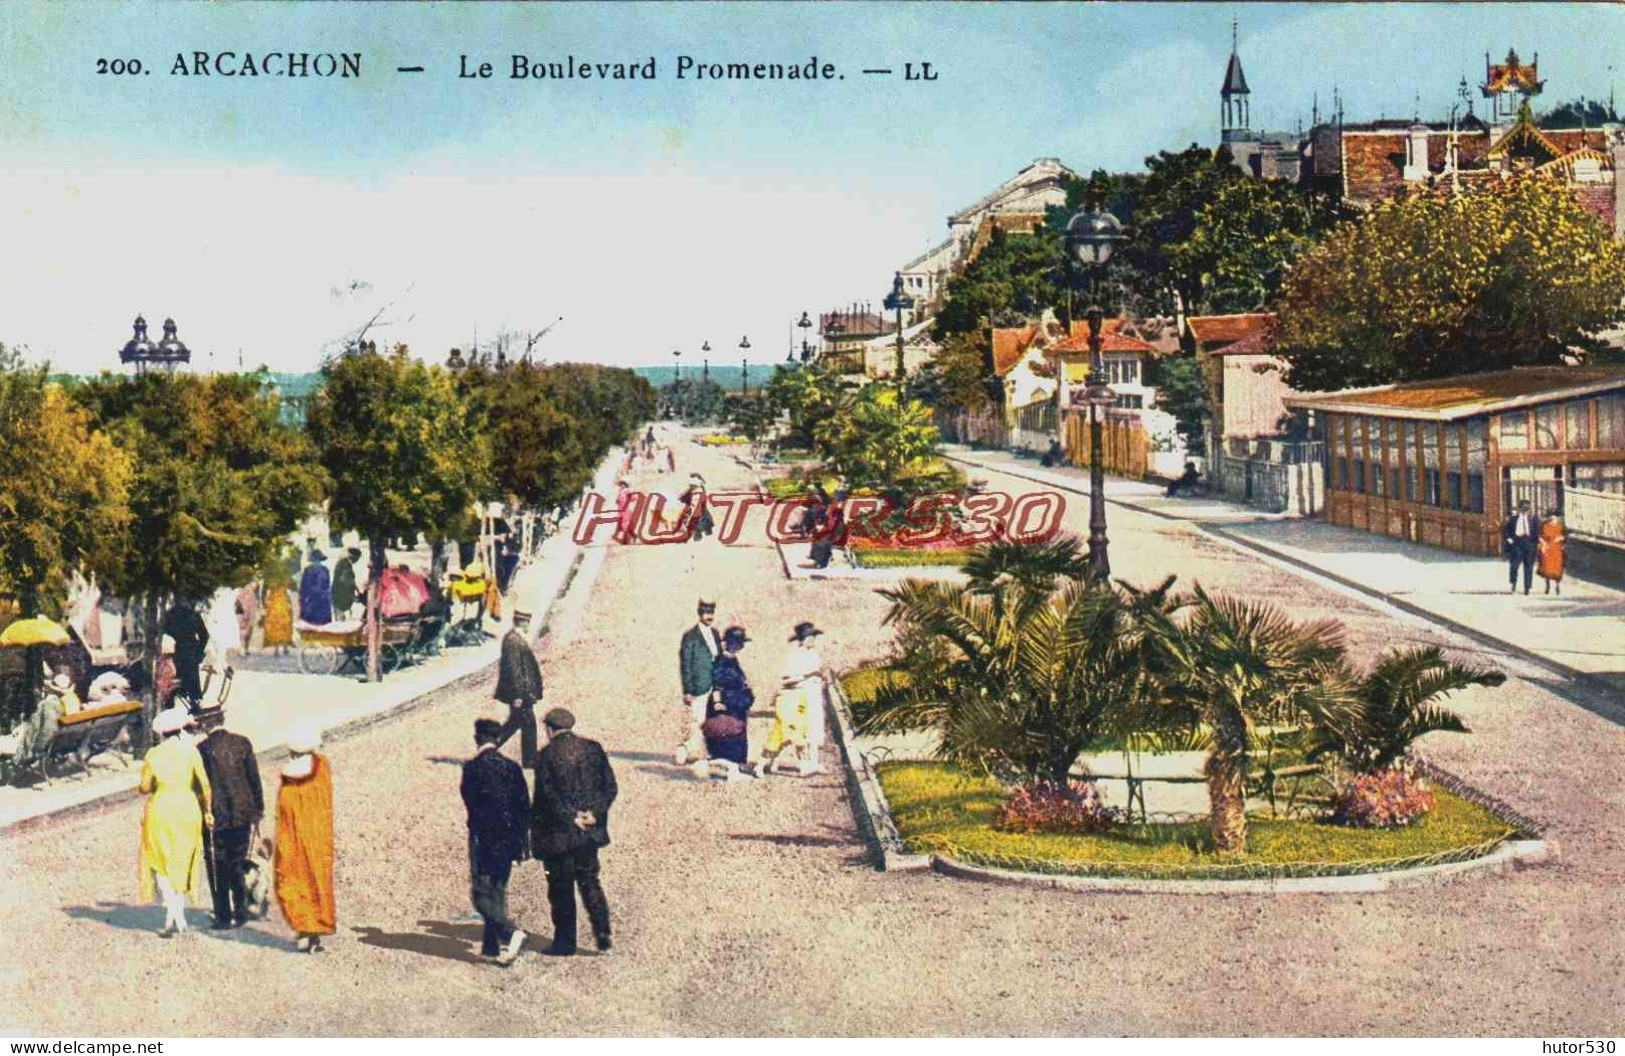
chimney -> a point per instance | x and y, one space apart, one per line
1416 153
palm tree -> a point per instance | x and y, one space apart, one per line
1397 707
1019 670
1231 664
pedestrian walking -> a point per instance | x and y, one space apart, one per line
575 787
498 806
316 592
178 808
626 513
697 651
303 862
799 708
344 584
238 801
1518 542
247 607
671 460
519 685
649 443
1553 535
696 510
185 628
730 702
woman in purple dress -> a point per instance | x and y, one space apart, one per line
316 591
731 698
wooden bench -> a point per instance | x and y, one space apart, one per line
84 735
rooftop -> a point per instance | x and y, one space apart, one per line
1468 396
1110 340
1221 330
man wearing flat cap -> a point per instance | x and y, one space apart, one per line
519 685
498 805
569 822
238 803
698 651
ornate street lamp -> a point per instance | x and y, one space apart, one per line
744 366
898 301
677 358
1090 237
705 364
806 350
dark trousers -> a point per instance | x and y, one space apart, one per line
225 852
1521 553
489 892
521 717
188 682
565 873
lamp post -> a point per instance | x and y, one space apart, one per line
1090 237
705 364
744 366
677 358
898 300
805 324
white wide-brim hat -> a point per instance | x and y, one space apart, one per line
305 740
170 720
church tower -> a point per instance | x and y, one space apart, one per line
1235 120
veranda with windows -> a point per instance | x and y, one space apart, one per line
1444 462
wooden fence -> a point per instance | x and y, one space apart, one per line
1125 449
1598 514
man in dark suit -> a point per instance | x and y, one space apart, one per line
695 655
569 822
1518 537
238 805
498 806
519 685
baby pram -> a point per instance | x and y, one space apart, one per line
467 588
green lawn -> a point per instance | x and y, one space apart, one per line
939 808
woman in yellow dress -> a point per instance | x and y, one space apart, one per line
277 606
177 811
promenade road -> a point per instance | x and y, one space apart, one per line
751 909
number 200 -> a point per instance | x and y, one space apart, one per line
118 66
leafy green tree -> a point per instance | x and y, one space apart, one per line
808 397
1579 113
881 438
405 452
218 484
64 491
1014 278
1182 391
1438 284
1019 670
1398 706
1228 665
751 416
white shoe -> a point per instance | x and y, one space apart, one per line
510 953
700 769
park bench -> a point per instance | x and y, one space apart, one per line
82 736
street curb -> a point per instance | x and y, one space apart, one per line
869 807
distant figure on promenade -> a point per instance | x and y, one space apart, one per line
247 607
575 787
649 443
1553 535
508 546
1055 456
626 512
671 460
278 605
238 805
1186 482
696 509
833 535
699 649
316 591
498 806
1518 542
344 588
303 862
519 685
185 628
178 808
729 707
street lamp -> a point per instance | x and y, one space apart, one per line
677 358
705 364
744 366
806 350
898 301
1090 238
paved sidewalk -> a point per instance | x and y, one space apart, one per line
1580 633
270 697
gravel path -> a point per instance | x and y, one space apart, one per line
749 909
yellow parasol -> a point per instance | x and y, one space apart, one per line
35 631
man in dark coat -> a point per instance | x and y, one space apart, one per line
344 592
696 653
498 805
569 822
1518 537
238 805
519 685
184 625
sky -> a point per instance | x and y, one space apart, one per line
270 216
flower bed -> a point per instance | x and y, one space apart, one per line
941 809
867 555
720 439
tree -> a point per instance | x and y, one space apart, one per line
1579 113
882 437
406 454
1397 707
960 376
1019 670
808 396
751 416
1229 664
218 483
1437 284
1182 391
64 491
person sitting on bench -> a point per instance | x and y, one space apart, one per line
1054 456
1187 482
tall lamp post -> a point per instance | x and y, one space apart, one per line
1090 238
805 324
677 358
705 364
898 301
744 366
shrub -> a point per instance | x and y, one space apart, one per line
1385 799
1049 807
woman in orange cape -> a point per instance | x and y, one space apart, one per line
304 843
1550 562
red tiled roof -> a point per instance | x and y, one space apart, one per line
1009 345
1110 339
1218 330
1257 343
1468 395
1598 200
